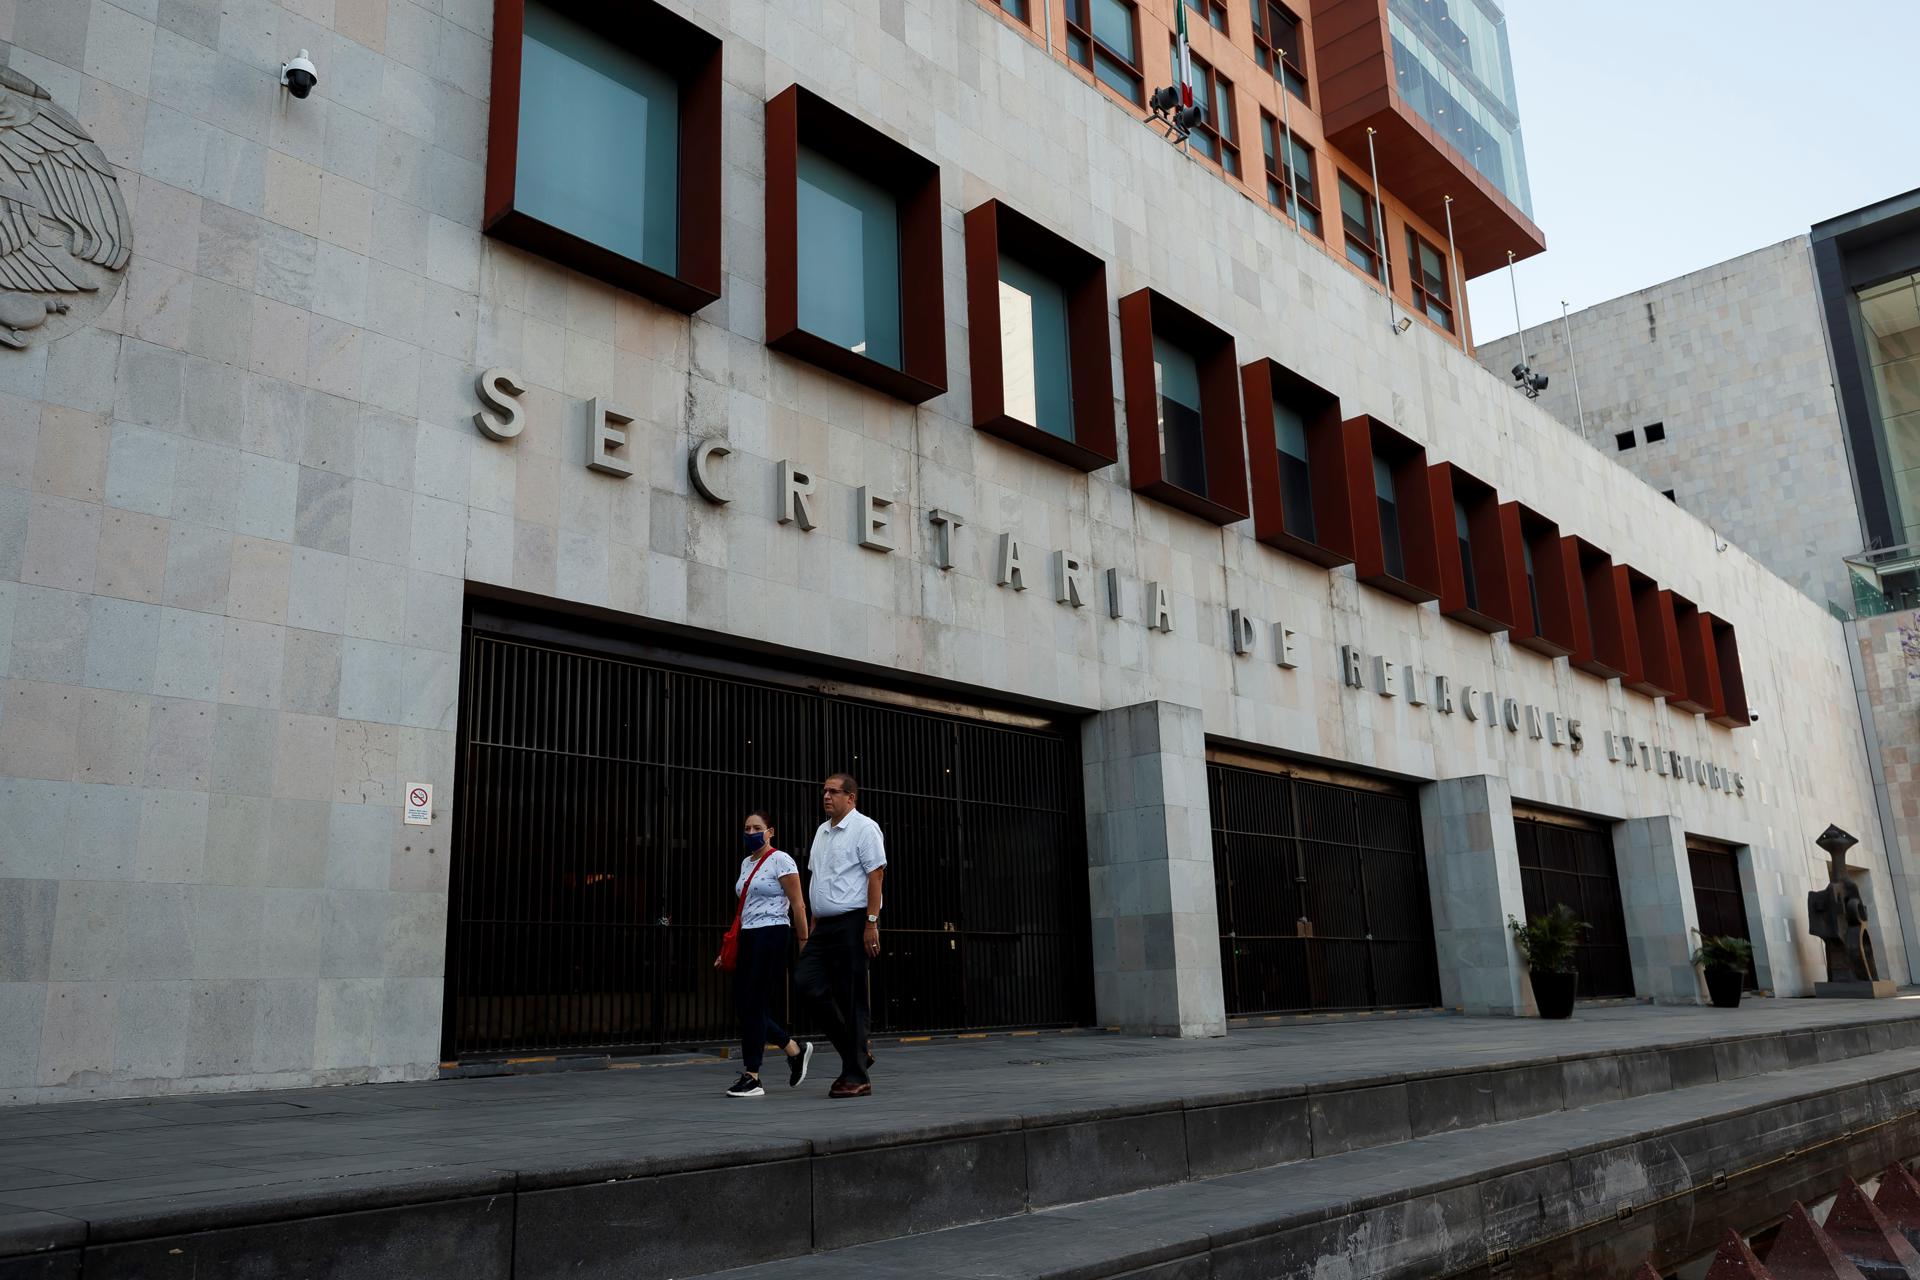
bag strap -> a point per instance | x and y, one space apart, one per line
740 907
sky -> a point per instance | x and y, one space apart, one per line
1665 137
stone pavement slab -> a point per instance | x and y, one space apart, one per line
127 1164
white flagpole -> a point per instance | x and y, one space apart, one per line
1453 270
1379 230
1286 125
1566 327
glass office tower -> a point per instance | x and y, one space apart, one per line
1451 64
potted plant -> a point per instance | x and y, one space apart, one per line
1725 959
1547 944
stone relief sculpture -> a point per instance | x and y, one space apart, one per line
65 236
1837 915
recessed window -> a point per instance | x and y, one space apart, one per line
1037 339
1356 219
1214 11
1290 173
853 249
1656 432
849 228
1277 45
1182 387
1428 267
1545 621
1033 348
1176 385
1296 476
1463 534
1299 505
1392 554
1533 582
1624 441
1104 37
1018 8
1216 136
578 83
1397 526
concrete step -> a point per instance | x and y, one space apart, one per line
634 1174
1450 1202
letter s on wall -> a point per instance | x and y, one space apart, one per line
500 390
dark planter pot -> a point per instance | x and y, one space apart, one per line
1724 986
1553 992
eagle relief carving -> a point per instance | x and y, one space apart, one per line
64 232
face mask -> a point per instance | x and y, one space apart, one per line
753 839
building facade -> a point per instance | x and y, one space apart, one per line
415 561
1716 390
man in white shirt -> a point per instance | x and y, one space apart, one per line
848 862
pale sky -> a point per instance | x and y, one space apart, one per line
1663 136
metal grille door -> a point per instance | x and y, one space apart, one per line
1322 895
598 807
1717 898
1575 865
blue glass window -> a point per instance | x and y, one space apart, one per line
599 145
1296 477
1393 558
1176 382
1463 533
849 259
1036 373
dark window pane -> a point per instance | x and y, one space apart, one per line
1533 583
1395 561
1462 532
1296 481
579 95
1176 377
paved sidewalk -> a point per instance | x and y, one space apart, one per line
78 1159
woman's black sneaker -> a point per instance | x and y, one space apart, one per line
797 1065
746 1087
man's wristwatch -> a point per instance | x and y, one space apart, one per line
872 919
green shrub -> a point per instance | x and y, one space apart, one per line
1547 942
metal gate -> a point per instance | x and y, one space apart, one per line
597 812
1574 865
1322 895
1717 898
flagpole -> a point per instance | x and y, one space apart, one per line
1286 124
1566 326
1379 230
1453 270
1515 286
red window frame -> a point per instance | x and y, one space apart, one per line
693 55
1424 298
1091 49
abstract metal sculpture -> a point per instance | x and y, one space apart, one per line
1837 915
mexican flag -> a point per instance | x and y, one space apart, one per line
1184 53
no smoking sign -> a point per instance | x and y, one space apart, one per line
419 804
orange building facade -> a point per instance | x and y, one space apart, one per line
1323 76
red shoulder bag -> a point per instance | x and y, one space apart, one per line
730 945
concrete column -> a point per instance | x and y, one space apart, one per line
1656 897
1156 926
1473 875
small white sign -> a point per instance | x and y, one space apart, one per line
419 804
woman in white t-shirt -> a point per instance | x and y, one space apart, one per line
772 912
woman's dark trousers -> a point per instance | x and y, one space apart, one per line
757 980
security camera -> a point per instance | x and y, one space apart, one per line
299 76
1519 373
1753 717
